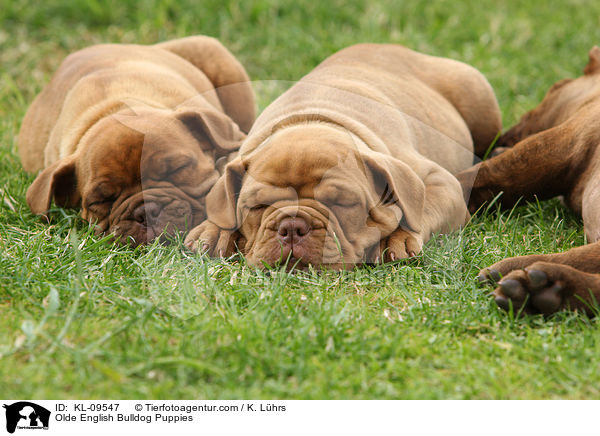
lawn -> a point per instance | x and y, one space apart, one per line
83 318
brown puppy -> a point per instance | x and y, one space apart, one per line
131 134
556 153
355 161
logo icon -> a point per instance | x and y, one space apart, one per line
26 415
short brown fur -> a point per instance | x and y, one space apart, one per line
554 150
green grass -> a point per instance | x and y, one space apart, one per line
82 318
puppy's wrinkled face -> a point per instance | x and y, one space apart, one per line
143 176
561 101
308 198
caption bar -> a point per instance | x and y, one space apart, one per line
290 417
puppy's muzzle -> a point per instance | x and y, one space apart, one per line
156 219
160 217
294 238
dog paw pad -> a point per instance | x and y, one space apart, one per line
513 289
537 279
548 300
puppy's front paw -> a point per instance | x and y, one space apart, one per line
211 239
401 244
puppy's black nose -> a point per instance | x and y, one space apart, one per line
147 214
292 230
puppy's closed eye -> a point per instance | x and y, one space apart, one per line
258 207
102 202
101 196
170 166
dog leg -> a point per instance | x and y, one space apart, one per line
591 207
585 258
544 165
224 71
546 288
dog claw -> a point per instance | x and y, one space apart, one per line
502 303
489 276
411 254
494 275
392 256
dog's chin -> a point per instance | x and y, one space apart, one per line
313 254
135 234
274 255
292 263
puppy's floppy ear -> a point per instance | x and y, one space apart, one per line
220 130
396 184
593 65
221 201
58 181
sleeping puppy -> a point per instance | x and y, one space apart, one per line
354 163
556 153
132 134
